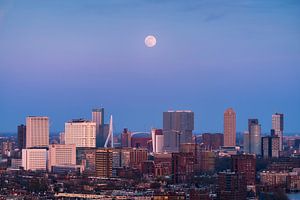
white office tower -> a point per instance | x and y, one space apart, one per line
277 127
61 154
37 131
80 132
34 159
157 140
110 136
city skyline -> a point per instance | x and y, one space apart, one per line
63 58
91 119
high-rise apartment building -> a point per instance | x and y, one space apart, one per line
80 132
245 164
37 131
270 146
61 154
103 162
178 128
277 126
229 128
34 159
21 136
231 185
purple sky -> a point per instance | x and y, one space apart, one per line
63 58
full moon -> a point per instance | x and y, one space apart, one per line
150 41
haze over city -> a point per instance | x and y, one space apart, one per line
63 58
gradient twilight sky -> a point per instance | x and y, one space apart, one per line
61 58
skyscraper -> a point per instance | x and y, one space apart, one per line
37 131
21 136
277 126
178 128
80 132
98 118
254 137
229 128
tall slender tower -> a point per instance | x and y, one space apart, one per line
37 131
21 136
98 118
254 129
277 126
229 127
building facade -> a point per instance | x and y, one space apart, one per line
37 131
21 136
229 127
157 140
98 118
277 126
61 154
178 128
34 159
252 139
270 146
212 141
245 164
126 138
80 132
231 185
104 162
